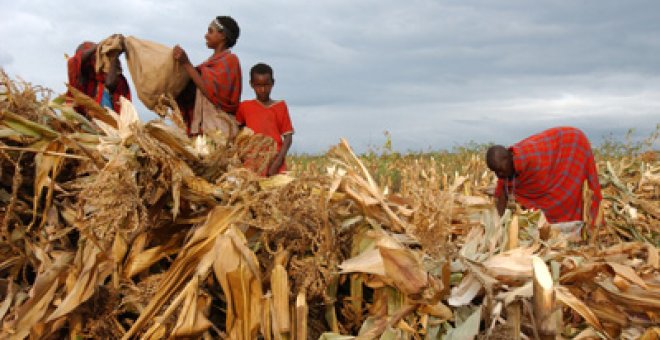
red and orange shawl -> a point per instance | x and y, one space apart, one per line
221 75
550 169
83 77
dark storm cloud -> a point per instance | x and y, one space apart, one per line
433 73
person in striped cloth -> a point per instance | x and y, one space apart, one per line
104 87
214 91
546 171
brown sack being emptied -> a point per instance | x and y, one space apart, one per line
153 70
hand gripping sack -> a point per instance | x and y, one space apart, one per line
153 70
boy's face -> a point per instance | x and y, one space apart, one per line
262 84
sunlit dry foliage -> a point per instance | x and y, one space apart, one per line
115 228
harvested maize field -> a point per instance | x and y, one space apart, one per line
113 228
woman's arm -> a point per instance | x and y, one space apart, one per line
182 58
279 158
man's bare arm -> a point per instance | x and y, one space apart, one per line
500 202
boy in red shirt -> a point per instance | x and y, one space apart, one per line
267 116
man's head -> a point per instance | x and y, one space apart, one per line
222 30
262 81
500 160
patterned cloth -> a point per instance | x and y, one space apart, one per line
83 77
221 75
550 169
272 121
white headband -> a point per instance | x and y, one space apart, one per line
217 25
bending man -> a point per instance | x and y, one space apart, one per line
546 171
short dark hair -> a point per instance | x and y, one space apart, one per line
231 29
261 68
494 154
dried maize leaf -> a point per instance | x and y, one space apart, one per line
651 334
235 272
634 298
96 269
335 336
41 295
370 262
465 292
266 325
468 329
621 283
46 165
524 291
9 297
404 269
566 297
185 265
375 327
609 314
242 290
192 321
275 181
26 126
157 331
277 334
473 201
653 258
587 334
279 285
70 115
173 138
627 273
143 261
93 109
330 310
585 273
301 316
228 262
515 264
438 310
201 187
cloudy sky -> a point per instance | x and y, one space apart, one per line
434 73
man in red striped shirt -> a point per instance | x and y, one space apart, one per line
546 171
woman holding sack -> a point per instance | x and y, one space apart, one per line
211 99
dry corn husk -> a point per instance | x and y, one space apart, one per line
115 228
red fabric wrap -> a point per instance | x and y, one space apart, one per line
550 169
221 75
84 78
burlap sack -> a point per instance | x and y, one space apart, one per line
106 50
153 70
208 118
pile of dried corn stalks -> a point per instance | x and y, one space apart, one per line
114 228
